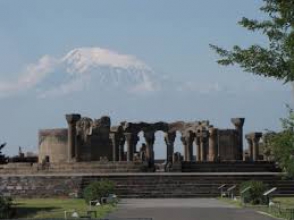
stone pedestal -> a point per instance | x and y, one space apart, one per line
72 142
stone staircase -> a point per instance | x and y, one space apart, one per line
195 185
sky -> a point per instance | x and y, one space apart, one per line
132 60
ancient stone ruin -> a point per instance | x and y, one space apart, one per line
86 139
92 149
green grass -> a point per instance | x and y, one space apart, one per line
236 203
287 202
54 208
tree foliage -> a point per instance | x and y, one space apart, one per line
276 59
283 144
255 193
97 190
5 207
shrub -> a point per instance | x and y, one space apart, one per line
97 190
5 207
255 194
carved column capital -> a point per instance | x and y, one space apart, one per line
72 118
212 132
238 122
170 137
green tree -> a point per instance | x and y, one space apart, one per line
283 145
265 147
97 190
255 193
276 59
5 207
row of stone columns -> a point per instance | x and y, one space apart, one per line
205 141
253 145
206 145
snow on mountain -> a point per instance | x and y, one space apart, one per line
82 68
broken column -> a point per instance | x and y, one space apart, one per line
72 142
238 123
212 151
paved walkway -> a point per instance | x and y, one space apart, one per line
183 209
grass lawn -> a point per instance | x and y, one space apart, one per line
54 208
287 202
237 203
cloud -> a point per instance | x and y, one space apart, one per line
77 68
31 76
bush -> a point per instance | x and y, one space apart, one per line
255 194
5 207
97 190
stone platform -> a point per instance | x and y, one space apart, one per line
138 185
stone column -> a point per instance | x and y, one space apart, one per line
121 145
130 146
253 144
72 139
189 137
238 123
250 146
255 139
114 137
203 145
198 148
212 144
150 139
185 148
170 140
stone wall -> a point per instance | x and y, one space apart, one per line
40 186
227 142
